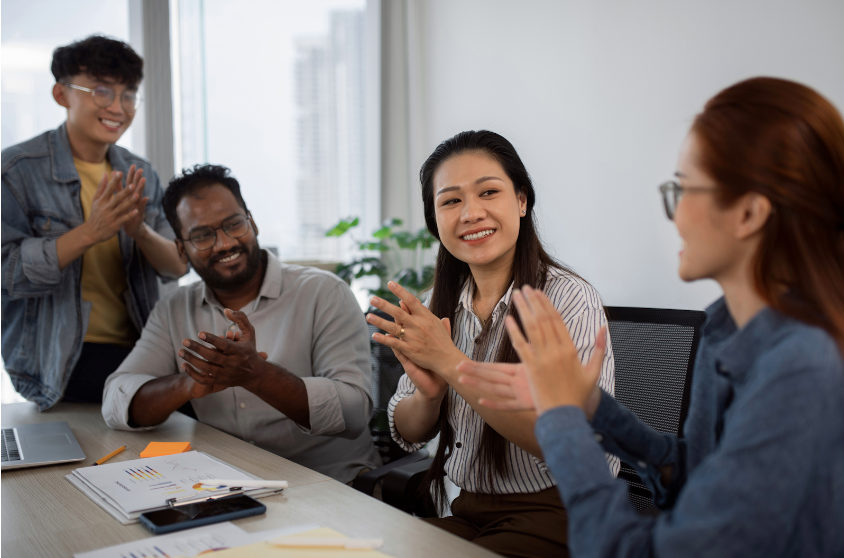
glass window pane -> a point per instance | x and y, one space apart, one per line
274 90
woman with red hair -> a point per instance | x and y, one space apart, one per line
759 205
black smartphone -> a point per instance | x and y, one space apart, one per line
201 513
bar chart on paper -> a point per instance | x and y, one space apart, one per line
145 484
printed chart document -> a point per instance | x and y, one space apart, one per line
191 542
130 488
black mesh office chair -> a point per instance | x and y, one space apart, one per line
386 372
654 353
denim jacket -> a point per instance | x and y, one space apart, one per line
759 471
44 316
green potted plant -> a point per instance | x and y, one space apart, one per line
401 257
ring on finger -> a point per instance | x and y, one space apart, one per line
401 333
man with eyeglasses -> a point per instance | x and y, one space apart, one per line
304 396
84 237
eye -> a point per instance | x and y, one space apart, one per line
452 201
489 192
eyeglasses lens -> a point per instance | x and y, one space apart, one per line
104 97
205 238
670 196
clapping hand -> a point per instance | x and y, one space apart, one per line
111 208
135 181
550 367
231 360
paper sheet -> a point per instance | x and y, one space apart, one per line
266 550
191 542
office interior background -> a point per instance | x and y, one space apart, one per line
326 109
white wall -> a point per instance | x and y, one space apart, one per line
597 97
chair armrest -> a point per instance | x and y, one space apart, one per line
367 481
400 489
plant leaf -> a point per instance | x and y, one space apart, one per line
343 226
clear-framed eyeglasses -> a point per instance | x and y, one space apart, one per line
204 238
672 191
104 97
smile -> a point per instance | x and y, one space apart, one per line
228 259
111 123
477 235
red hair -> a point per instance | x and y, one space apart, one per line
785 141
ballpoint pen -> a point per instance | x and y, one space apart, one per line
244 483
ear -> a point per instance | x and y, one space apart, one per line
254 226
59 95
180 247
522 204
754 211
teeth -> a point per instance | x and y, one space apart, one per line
478 235
111 123
229 258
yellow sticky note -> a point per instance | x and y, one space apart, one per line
266 550
155 449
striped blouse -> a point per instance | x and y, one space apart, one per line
581 308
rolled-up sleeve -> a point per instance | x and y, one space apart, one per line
339 392
405 389
151 358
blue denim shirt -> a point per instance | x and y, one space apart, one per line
44 315
760 471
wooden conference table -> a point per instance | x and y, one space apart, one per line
45 515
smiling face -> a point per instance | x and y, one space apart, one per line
232 262
477 209
718 243
88 123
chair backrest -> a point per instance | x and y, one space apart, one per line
386 372
654 353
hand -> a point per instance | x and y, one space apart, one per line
111 207
230 361
505 385
426 340
554 372
428 385
134 226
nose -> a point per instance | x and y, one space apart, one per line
116 105
473 210
222 243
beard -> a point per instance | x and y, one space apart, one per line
231 282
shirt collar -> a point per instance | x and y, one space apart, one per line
742 346
270 288
468 292
61 157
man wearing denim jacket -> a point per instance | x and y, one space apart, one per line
83 234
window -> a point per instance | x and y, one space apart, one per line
275 91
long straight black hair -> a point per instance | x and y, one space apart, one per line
530 267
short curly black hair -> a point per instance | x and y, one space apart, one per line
101 57
191 180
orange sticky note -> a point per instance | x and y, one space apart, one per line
155 449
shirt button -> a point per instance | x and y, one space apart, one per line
642 464
243 405
233 327
599 437
458 445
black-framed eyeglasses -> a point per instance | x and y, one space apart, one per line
204 238
672 191
104 97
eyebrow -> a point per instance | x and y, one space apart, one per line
478 181
221 223
679 174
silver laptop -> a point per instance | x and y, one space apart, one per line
31 445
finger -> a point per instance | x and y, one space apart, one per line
220 344
102 186
413 303
241 320
209 354
527 317
196 375
126 217
397 313
263 355
389 341
499 369
447 323
392 328
593 367
140 183
552 324
142 205
520 344
204 367
113 182
130 176
124 203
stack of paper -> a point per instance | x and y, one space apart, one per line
129 488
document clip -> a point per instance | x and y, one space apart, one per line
175 502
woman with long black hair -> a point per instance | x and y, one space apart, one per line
759 205
479 201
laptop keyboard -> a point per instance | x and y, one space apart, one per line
10 446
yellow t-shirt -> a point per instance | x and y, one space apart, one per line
103 277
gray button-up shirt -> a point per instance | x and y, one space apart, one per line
310 324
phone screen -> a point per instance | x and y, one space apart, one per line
202 510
